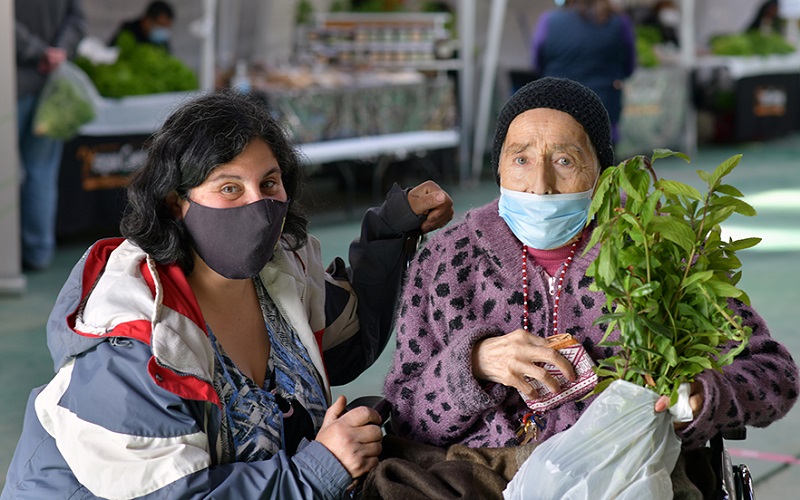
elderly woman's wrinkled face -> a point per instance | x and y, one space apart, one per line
547 152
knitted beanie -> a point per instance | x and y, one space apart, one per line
564 95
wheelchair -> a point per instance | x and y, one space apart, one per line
734 481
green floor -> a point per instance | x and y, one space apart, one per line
769 175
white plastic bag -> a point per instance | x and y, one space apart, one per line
96 50
68 101
619 448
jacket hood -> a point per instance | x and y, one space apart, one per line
116 290
62 340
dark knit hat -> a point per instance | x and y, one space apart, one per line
562 95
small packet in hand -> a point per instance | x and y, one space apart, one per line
583 364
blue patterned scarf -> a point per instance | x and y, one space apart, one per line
254 421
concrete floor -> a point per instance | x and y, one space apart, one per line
769 175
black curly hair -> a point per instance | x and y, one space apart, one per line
203 133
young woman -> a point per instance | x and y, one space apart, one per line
194 357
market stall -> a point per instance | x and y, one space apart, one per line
380 116
745 81
362 87
655 109
749 98
653 117
96 164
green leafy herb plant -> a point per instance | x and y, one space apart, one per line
667 274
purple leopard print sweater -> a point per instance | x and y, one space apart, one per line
466 284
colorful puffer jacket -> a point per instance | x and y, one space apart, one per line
466 285
132 412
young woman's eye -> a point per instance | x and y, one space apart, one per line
268 184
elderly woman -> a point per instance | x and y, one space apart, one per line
194 357
482 295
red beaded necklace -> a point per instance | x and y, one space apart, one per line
554 290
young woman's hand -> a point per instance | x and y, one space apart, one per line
432 201
354 437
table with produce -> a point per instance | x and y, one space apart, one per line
132 96
122 102
750 83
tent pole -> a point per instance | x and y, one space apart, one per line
207 56
228 20
466 35
496 19
12 280
688 50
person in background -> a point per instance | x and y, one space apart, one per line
47 33
767 19
666 17
153 27
590 42
194 356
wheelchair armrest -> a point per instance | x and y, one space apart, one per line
734 481
378 403
735 434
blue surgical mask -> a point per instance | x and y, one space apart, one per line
159 35
545 221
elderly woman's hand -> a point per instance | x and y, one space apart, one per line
509 358
695 402
432 201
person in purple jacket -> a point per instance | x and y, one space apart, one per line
589 42
468 341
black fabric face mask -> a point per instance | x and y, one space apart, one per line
236 242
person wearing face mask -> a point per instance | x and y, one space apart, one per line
665 16
767 19
481 298
153 27
194 356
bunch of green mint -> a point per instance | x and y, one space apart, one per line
667 274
